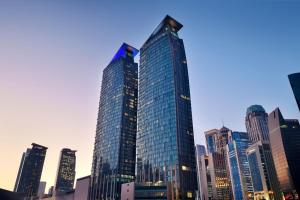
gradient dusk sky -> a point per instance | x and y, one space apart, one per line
52 54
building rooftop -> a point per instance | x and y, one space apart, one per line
168 21
123 50
255 108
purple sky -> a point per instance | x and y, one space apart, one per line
52 54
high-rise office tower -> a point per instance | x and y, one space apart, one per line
257 127
165 138
285 145
203 175
66 171
115 142
259 173
241 182
295 84
257 124
211 137
30 170
218 163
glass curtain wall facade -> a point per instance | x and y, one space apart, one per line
30 171
115 142
241 181
295 84
285 145
66 171
165 139
259 173
257 127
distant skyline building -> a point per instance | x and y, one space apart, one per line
211 137
256 122
241 181
42 188
115 142
295 84
82 188
218 163
165 138
30 170
285 145
65 176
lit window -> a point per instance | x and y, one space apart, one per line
184 168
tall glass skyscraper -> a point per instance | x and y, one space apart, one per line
239 166
203 175
256 121
30 170
260 174
285 145
66 171
115 142
295 84
165 139
217 141
257 124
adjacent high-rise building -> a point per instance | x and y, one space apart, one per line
211 137
30 170
257 124
115 142
203 174
218 166
66 171
165 138
285 145
257 127
295 84
259 173
241 182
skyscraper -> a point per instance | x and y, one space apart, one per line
30 170
203 175
211 137
239 166
66 171
115 142
259 173
285 145
218 163
257 124
256 121
295 84
165 138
